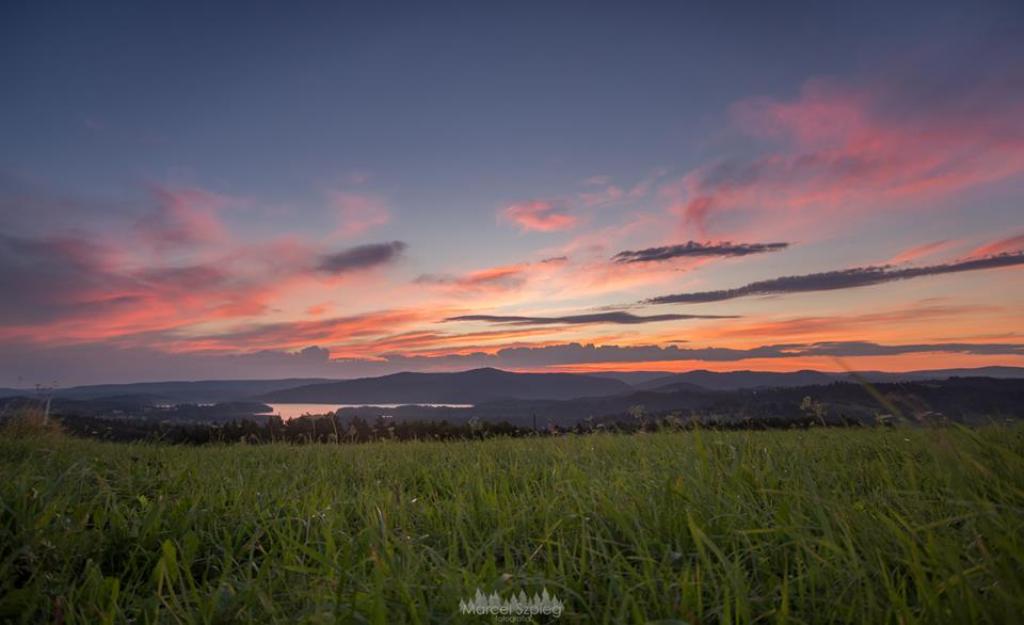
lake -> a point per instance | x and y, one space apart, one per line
291 411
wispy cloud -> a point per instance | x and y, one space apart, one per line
922 251
290 335
359 212
503 277
184 217
539 215
623 318
1002 246
609 194
693 249
894 322
841 279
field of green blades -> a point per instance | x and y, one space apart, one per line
817 526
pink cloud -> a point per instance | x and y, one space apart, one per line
185 217
359 212
842 148
83 288
919 251
501 278
1002 246
550 215
176 271
539 215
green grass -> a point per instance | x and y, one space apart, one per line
868 526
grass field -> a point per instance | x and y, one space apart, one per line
868 526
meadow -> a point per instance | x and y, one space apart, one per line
886 525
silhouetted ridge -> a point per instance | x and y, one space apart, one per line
465 387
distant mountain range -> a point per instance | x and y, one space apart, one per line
465 387
200 392
486 385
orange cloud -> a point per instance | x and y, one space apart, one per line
291 335
432 343
501 278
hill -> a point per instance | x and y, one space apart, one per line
633 378
966 400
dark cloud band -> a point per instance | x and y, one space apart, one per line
623 318
693 249
577 353
842 279
361 257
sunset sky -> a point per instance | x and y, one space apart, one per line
194 191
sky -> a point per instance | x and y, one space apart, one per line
248 190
